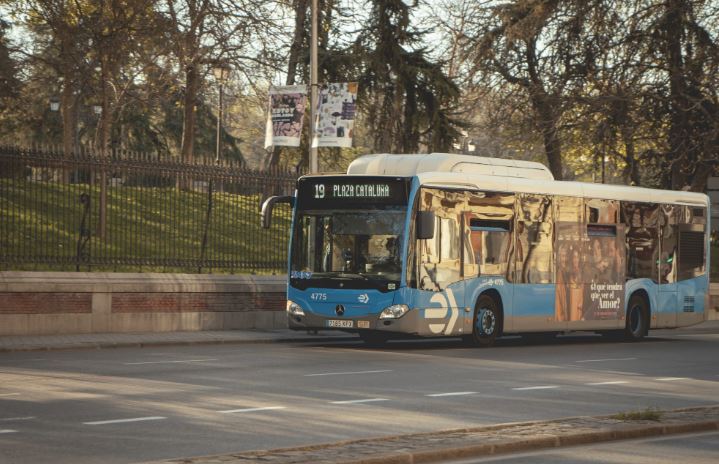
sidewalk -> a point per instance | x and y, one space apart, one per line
138 340
476 442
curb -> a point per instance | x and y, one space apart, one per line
532 444
145 344
481 441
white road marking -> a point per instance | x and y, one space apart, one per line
9 394
436 395
603 360
670 379
234 411
368 400
122 421
7 431
615 382
348 373
538 387
17 419
169 362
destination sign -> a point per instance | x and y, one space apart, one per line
351 192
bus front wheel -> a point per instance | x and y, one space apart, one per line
487 321
637 318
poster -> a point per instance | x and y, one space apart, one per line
284 120
336 108
590 273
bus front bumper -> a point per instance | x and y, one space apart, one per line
410 323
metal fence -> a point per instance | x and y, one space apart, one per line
132 212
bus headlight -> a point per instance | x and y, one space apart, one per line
294 309
394 311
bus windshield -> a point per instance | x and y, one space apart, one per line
348 249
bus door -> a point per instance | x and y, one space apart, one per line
667 302
488 226
533 307
440 278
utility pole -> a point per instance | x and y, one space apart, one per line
314 161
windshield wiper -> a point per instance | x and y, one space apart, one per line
352 275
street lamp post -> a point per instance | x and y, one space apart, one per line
221 70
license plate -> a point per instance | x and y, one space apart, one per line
340 324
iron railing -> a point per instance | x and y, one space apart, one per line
131 212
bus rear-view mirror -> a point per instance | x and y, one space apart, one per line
425 225
269 205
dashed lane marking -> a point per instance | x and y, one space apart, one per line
348 373
670 379
605 360
239 411
368 400
3 395
122 421
614 382
169 362
536 387
17 419
437 395
2 431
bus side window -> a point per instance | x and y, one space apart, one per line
692 246
534 245
669 234
490 245
489 221
642 240
439 263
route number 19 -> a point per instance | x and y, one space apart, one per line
319 191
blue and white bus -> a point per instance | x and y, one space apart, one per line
443 245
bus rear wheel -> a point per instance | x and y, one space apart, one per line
637 318
486 323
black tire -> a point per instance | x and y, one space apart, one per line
637 318
487 322
374 339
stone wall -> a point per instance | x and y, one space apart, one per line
34 303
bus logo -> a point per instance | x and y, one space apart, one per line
363 298
340 310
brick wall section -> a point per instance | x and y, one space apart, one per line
45 303
36 303
196 302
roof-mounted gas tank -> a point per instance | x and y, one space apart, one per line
410 165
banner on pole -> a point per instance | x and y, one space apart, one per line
284 120
335 120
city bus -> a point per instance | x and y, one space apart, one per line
444 245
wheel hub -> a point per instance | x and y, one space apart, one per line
486 322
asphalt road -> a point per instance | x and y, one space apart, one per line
695 449
129 405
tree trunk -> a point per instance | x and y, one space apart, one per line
678 121
104 145
548 127
298 40
192 80
631 172
67 103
